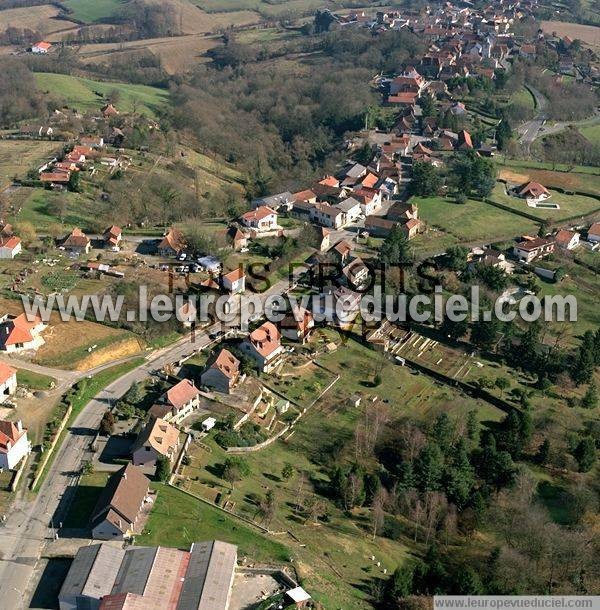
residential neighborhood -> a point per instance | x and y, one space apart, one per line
298 303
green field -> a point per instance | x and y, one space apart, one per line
86 495
591 132
40 208
570 205
577 169
177 520
90 11
523 97
81 93
473 220
266 8
34 381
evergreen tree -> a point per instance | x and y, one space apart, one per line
585 454
163 469
395 249
590 398
459 477
543 452
426 180
399 585
429 467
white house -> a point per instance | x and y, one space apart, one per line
14 444
18 334
8 381
568 240
178 402
534 192
41 47
264 346
234 281
351 208
530 249
327 215
594 232
263 218
10 246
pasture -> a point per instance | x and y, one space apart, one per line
590 34
591 132
86 94
42 18
569 180
91 11
177 54
17 157
472 221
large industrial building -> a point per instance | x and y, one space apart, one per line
105 577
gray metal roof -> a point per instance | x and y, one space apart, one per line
134 571
209 576
79 570
93 571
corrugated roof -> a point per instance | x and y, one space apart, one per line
208 577
135 569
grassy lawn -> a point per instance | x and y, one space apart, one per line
84 391
17 157
523 97
34 381
302 385
569 180
578 169
591 132
585 286
81 93
40 208
177 520
86 495
473 220
89 11
570 205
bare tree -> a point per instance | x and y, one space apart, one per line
380 501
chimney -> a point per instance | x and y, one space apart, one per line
19 425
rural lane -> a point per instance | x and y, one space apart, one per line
530 129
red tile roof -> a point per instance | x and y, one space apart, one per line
18 330
265 339
534 188
9 435
10 242
403 98
330 181
181 393
6 372
76 239
259 213
227 363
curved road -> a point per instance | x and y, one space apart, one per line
29 525
529 130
